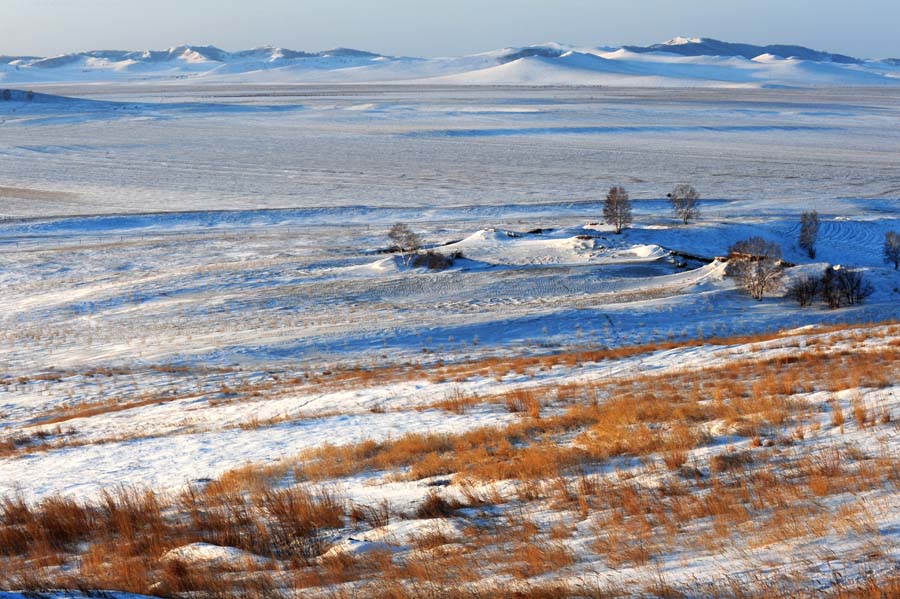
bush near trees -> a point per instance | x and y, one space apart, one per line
435 260
837 287
845 287
804 290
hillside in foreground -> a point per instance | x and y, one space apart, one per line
763 466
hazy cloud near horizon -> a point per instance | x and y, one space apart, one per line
410 27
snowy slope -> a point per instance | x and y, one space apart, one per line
501 247
570 69
625 68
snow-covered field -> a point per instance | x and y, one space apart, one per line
195 278
148 148
261 297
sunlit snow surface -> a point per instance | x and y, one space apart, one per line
242 227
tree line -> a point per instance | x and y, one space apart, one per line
755 263
617 212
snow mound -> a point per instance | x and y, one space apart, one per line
499 247
395 536
213 556
652 252
405 532
354 547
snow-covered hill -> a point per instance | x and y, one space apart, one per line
694 62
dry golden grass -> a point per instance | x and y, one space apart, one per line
536 559
18 444
458 402
645 415
523 401
764 491
106 406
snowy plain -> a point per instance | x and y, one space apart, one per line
164 245
241 228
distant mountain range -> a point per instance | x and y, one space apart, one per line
191 54
681 61
699 46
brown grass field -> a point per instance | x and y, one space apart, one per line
780 468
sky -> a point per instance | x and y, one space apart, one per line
428 28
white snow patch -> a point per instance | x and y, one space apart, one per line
214 556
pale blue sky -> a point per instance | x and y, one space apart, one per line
866 28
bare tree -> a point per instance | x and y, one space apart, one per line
756 264
853 286
829 289
685 203
804 290
617 208
405 240
892 249
809 232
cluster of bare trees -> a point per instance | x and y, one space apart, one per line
406 241
804 290
844 287
409 244
837 287
617 210
756 265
